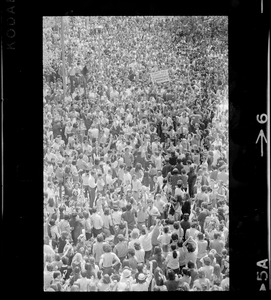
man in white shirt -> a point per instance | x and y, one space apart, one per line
116 215
145 240
127 178
85 183
96 223
86 147
89 186
159 204
94 132
153 213
160 179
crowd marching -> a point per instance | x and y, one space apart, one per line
135 172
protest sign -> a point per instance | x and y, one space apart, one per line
160 76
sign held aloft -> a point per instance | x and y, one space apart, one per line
160 76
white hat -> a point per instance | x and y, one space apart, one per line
141 276
126 273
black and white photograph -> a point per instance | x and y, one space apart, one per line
136 153
135 147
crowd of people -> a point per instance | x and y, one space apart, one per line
135 173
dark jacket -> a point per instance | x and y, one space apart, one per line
192 178
173 160
167 168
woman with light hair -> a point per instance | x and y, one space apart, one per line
78 261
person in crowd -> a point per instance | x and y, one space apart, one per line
173 281
97 249
96 222
217 276
121 249
172 260
108 260
143 281
202 282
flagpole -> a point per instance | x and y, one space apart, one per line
63 57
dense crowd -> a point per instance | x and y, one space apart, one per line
135 173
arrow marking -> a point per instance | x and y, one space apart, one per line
262 136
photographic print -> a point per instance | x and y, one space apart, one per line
136 154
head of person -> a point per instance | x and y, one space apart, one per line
131 252
122 225
175 171
186 217
217 235
224 252
121 238
191 168
207 261
106 279
128 206
160 281
176 225
141 278
191 265
190 247
174 237
100 238
115 278
204 205
186 271
52 222
134 234
50 267
179 183
217 269
57 257
106 211
137 246
107 248
138 167
174 252
171 274
166 229
157 250
200 236
201 274
204 188
143 231
140 267
126 273
211 256
84 273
